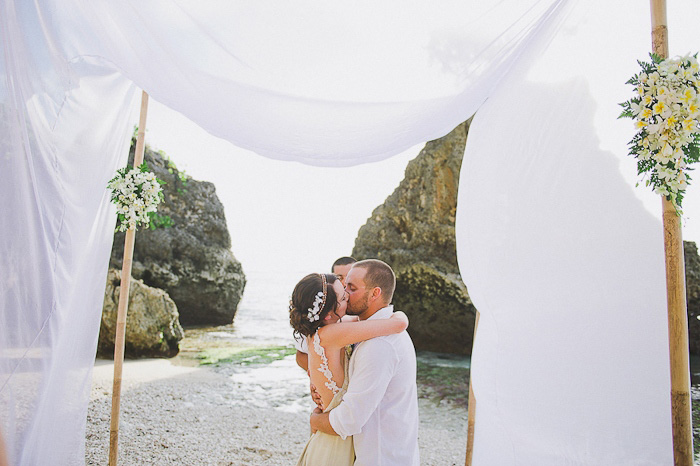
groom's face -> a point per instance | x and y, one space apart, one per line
358 294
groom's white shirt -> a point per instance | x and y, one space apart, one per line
380 408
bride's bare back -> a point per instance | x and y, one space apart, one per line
321 371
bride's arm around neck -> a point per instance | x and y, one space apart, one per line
345 333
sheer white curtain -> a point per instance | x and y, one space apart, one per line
566 266
64 132
550 259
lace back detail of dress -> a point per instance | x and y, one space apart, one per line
331 385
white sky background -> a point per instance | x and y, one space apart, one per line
287 216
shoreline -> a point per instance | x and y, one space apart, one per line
174 411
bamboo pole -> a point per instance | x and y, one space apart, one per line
124 300
678 337
471 407
675 290
3 452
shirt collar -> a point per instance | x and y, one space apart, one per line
383 313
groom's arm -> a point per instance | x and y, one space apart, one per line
374 368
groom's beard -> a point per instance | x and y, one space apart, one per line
357 308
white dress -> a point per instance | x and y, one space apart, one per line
323 449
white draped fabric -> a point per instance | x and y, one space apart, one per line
570 362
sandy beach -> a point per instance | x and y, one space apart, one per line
189 415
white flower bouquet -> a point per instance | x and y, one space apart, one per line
136 193
666 111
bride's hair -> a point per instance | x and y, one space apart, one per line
310 305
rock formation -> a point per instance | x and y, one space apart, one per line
191 260
692 286
152 327
414 231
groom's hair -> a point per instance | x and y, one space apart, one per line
379 274
345 260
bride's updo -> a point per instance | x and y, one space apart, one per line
312 299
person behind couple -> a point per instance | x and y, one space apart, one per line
342 266
318 302
340 269
380 406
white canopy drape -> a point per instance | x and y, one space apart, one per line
570 362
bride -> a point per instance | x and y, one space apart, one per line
318 303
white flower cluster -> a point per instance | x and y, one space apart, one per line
667 112
136 192
315 311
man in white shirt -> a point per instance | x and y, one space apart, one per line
380 408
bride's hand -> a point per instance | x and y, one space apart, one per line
316 396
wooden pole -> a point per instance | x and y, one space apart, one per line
471 407
675 290
124 300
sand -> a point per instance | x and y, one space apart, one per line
172 414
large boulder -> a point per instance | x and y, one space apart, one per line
692 286
414 232
152 327
191 260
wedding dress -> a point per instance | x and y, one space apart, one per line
323 449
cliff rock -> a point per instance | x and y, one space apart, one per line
191 260
414 232
152 327
692 288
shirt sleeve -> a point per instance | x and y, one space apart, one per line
301 345
374 367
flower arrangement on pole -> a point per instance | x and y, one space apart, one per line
666 111
136 193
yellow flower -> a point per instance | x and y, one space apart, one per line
688 124
659 107
688 95
646 113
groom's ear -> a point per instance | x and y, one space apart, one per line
376 293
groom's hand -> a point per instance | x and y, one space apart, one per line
315 411
321 421
316 396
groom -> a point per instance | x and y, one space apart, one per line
380 408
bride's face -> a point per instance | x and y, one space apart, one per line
342 297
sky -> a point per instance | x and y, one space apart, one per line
288 216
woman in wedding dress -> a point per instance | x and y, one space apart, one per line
318 303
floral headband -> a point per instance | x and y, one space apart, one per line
314 312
